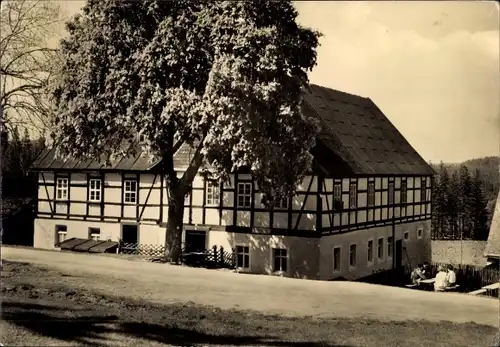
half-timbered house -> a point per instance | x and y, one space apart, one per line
365 207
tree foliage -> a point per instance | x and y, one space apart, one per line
26 62
459 205
223 77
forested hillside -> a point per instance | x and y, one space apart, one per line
464 197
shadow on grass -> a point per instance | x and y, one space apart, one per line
84 327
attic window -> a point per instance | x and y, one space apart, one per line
142 138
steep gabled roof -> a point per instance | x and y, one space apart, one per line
492 249
356 138
47 160
354 130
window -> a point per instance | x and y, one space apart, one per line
403 192
390 197
371 194
423 191
244 194
62 189
406 235
353 194
281 204
336 259
130 191
95 190
420 233
389 246
213 193
370 251
338 204
380 248
94 234
352 256
243 257
61 233
280 259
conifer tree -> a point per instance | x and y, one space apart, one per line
480 217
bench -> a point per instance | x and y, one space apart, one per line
411 285
478 292
451 288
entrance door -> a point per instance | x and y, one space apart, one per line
399 253
129 234
195 241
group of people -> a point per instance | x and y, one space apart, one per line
445 276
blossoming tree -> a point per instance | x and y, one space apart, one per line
223 77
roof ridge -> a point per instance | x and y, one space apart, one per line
338 91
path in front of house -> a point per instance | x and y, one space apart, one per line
165 284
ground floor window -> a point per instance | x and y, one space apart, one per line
370 251
352 256
336 259
61 233
94 234
380 249
280 256
389 246
243 257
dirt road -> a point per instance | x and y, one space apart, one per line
166 284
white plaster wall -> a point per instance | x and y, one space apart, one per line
302 252
418 250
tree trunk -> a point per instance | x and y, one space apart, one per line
173 238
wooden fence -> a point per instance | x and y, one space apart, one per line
217 257
152 251
471 277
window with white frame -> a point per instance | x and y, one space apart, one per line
336 259
352 255
94 234
280 256
420 233
370 251
62 189
338 204
390 196
403 192
380 248
244 194
281 204
213 193
130 193
95 189
389 246
423 191
407 235
371 194
243 257
353 195
61 233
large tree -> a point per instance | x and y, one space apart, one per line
26 61
223 77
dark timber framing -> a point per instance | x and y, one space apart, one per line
381 214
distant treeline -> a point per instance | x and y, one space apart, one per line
464 197
18 154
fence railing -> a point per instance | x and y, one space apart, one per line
152 251
471 277
215 257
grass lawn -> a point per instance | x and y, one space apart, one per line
55 314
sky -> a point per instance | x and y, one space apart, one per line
432 67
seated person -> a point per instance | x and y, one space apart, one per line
427 270
451 276
441 280
417 275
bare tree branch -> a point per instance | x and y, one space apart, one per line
26 61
